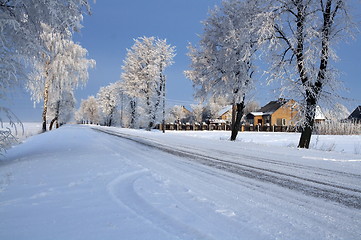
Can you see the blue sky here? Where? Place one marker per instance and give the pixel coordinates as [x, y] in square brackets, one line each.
[113, 27]
[114, 24]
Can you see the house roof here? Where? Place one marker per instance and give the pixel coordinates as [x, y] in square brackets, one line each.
[268, 109]
[356, 114]
[272, 106]
[185, 110]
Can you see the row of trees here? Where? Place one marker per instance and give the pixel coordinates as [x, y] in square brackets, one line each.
[102, 109]
[141, 91]
[204, 112]
[37, 52]
[294, 36]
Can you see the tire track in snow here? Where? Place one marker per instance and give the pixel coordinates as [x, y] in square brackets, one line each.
[122, 192]
[349, 197]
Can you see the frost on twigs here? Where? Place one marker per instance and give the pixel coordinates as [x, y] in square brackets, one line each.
[223, 64]
[8, 128]
[299, 38]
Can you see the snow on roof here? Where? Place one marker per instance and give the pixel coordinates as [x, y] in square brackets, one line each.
[224, 110]
[319, 114]
[257, 113]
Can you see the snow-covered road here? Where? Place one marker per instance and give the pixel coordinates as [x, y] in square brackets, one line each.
[77, 183]
[293, 176]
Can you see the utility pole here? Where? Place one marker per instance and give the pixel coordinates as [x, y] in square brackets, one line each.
[122, 109]
[163, 121]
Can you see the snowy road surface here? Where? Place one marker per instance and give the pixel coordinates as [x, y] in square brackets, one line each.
[107, 183]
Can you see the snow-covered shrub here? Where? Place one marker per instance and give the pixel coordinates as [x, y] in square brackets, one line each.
[337, 128]
[328, 147]
[7, 137]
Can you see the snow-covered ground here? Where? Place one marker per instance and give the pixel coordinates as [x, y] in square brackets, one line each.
[82, 182]
[337, 143]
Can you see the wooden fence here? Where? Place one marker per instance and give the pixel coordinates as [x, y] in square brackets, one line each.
[224, 127]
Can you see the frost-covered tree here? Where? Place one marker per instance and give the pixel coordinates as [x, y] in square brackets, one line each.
[88, 111]
[197, 112]
[92, 110]
[62, 69]
[212, 107]
[178, 113]
[338, 112]
[222, 65]
[20, 29]
[80, 115]
[299, 35]
[251, 106]
[61, 110]
[143, 75]
[108, 102]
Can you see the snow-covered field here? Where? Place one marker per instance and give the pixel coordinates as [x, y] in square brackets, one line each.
[24, 130]
[82, 182]
[337, 143]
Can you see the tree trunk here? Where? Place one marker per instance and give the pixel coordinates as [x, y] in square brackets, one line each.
[306, 133]
[52, 123]
[163, 118]
[133, 113]
[44, 119]
[46, 99]
[237, 123]
[122, 110]
[305, 138]
[314, 90]
[159, 91]
[111, 116]
[150, 114]
[56, 116]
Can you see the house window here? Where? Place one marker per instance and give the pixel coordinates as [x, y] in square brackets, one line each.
[267, 119]
[281, 122]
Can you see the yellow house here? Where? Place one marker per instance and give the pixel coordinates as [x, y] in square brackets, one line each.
[276, 113]
[225, 114]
